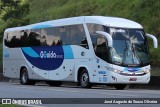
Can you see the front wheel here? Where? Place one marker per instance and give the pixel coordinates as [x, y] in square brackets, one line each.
[84, 79]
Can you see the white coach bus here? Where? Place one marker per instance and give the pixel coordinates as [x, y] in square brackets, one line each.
[87, 50]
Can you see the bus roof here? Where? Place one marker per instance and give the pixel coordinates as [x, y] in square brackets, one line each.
[113, 22]
[103, 20]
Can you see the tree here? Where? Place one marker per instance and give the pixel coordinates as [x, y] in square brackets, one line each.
[13, 12]
[8, 4]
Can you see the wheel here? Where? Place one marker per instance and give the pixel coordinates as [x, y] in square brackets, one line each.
[84, 79]
[24, 78]
[120, 86]
[54, 83]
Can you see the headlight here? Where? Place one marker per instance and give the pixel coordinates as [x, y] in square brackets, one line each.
[115, 70]
[147, 71]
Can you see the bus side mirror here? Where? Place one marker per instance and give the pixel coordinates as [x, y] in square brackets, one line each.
[155, 42]
[108, 36]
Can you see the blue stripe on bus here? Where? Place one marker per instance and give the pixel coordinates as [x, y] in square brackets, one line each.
[68, 53]
[41, 26]
[29, 51]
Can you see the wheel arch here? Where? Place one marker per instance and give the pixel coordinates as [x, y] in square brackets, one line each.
[79, 72]
[22, 67]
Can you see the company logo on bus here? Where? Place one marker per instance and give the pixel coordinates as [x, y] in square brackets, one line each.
[50, 54]
[131, 69]
[45, 58]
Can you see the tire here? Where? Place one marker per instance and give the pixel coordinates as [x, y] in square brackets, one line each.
[54, 83]
[120, 86]
[84, 79]
[24, 78]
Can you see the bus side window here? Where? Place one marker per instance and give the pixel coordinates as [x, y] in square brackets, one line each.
[50, 36]
[13, 39]
[34, 39]
[78, 36]
[84, 43]
[101, 47]
[45, 37]
[64, 37]
[23, 38]
[94, 40]
[57, 36]
[6, 41]
[92, 31]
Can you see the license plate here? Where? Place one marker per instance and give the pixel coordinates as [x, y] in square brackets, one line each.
[133, 79]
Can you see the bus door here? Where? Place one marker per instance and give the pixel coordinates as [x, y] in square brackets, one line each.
[100, 61]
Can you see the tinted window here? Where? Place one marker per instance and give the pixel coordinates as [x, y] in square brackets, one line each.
[34, 38]
[101, 47]
[92, 30]
[24, 38]
[12, 39]
[99, 41]
[66, 35]
[76, 34]
[50, 36]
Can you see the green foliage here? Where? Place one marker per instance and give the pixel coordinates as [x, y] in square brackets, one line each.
[12, 22]
[17, 13]
[8, 4]
[13, 12]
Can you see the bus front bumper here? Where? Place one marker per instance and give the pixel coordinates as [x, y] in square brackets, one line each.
[121, 79]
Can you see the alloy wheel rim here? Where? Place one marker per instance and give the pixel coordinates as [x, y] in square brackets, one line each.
[84, 79]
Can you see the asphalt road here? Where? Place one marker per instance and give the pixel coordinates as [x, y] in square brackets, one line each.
[15, 90]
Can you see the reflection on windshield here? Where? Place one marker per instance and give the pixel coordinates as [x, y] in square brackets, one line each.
[129, 47]
[115, 57]
[130, 56]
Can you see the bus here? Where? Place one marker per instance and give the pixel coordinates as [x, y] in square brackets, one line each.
[86, 49]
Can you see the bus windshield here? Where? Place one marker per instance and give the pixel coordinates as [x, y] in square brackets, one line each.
[129, 47]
